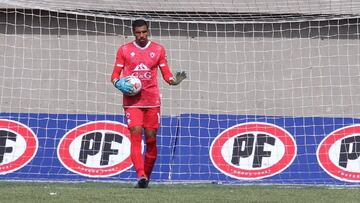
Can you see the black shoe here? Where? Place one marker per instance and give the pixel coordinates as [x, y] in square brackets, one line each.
[143, 182]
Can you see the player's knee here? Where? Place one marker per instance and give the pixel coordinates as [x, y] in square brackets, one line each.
[136, 130]
[150, 133]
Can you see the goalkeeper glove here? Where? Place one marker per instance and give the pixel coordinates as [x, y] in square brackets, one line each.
[179, 76]
[123, 85]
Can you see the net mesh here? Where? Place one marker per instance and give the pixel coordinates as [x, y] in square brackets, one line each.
[263, 58]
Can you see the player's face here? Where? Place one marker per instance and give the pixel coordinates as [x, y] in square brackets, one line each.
[141, 35]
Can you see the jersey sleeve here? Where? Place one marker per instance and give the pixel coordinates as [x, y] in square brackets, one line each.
[164, 67]
[118, 66]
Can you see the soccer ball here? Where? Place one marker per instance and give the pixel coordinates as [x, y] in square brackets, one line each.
[136, 82]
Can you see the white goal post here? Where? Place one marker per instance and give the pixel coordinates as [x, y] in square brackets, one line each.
[272, 97]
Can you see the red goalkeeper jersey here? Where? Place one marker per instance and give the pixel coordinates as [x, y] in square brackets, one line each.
[142, 62]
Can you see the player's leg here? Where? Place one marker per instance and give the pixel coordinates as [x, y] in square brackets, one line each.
[135, 150]
[151, 124]
[134, 118]
[151, 151]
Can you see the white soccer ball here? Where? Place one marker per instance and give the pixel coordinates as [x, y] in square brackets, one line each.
[136, 82]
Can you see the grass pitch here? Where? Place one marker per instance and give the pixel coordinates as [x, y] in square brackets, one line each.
[168, 193]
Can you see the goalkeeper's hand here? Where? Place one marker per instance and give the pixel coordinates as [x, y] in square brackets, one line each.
[123, 85]
[179, 76]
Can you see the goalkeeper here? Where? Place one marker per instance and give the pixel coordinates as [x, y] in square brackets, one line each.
[142, 58]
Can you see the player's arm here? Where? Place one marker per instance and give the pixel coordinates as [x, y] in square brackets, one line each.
[120, 83]
[166, 73]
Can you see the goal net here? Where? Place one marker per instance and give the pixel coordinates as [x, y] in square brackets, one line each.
[272, 94]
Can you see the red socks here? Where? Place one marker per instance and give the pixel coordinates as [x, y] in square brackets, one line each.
[150, 155]
[143, 167]
[135, 153]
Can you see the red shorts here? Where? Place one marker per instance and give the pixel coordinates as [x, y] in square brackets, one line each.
[145, 117]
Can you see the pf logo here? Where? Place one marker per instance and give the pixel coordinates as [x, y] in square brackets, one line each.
[96, 149]
[253, 150]
[339, 154]
[18, 145]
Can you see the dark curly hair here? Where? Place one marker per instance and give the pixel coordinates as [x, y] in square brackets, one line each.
[139, 23]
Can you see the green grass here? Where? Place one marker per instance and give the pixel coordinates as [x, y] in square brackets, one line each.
[187, 193]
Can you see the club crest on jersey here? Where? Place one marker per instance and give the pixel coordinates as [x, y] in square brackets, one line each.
[132, 54]
[152, 54]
